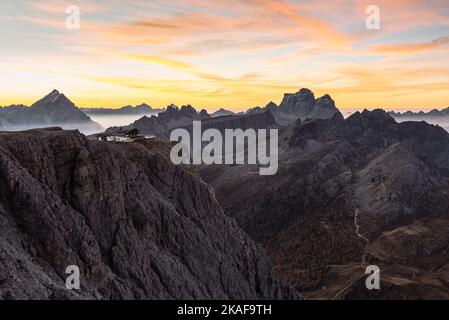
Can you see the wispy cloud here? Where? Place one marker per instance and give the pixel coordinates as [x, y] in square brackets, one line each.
[412, 47]
[230, 52]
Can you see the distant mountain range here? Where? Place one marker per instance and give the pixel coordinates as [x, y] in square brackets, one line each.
[366, 190]
[300, 105]
[436, 117]
[142, 109]
[55, 109]
[421, 115]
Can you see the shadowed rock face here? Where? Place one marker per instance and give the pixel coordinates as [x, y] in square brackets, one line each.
[349, 193]
[137, 226]
[300, 103]
[303, 105]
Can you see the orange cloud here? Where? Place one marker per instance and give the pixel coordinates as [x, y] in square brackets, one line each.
[410, 48]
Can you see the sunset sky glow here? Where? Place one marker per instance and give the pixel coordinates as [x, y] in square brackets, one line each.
[226, 53]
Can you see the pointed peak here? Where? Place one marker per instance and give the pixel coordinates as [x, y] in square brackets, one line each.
[271, 104]
[54, 92]
[51, 97]
[54, 98]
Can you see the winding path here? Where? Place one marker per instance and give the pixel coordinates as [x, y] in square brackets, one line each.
[365, 250]
[361, 236]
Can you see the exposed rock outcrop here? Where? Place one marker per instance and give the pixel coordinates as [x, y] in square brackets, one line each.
[137, 226]
[300, 103]
[303, 105]
[343, 189]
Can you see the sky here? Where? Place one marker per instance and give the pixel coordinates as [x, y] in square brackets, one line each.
[226, 53]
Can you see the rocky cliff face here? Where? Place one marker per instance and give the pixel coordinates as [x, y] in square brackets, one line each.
[55, 109]
[300, 105]
[137, 226]
[349, 193]
[303, 105]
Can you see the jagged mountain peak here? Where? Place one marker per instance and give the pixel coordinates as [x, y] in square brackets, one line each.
[54, 92]
[376, 116]
[326, 99]
[304, 91]
[188, 108]
[271, 105]
[54, 98]
[303, 104]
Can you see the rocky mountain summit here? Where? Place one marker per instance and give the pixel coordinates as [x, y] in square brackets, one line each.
[349, 193]
[55, 109]
[136, 226]
[303, 105]
[300, 105]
